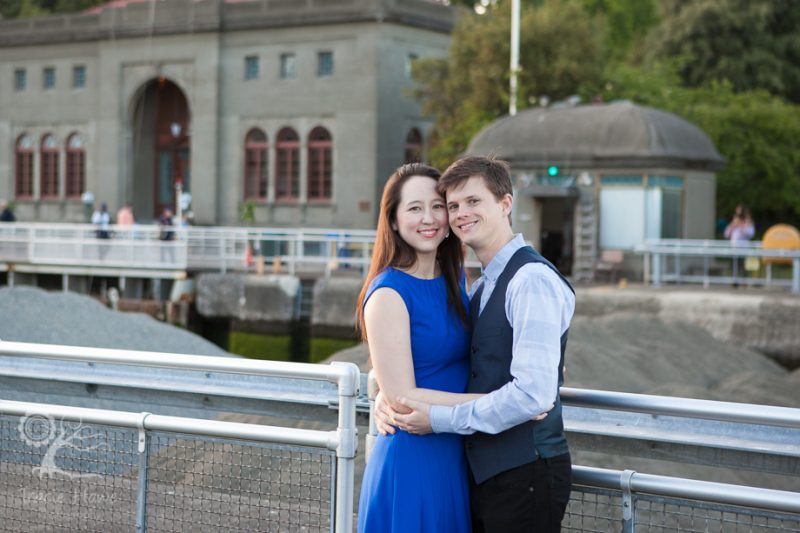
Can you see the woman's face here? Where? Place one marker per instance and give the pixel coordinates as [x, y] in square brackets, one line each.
[421, 218]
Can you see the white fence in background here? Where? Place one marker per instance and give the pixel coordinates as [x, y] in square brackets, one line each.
[717, 262]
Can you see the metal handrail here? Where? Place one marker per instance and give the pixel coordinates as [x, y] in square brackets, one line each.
[691, 408]
[345, 375]
[724, 493]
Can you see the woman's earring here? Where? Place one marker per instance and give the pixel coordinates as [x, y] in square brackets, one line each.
[446, 235]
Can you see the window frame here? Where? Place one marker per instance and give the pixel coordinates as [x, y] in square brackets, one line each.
[320, 64]
[75, 171]
[253, 73]
[20, 79]
[261, 149]
[286, 73]
[287, 152]
[23, 166]
[320, 177]
[48, 167]
[48, 78]
[79, 76]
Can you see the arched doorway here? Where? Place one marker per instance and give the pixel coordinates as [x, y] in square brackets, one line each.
[161, 127]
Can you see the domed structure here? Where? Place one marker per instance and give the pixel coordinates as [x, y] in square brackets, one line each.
[619, 135]
[604, 178]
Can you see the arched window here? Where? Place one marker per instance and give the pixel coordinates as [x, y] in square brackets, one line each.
[255, 165]
[320, 164]
[287, 165]
[413, 153]
[48, 175]
[23, 169]
[76, 166]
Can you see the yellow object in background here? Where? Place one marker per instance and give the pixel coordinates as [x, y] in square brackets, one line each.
[780, 237]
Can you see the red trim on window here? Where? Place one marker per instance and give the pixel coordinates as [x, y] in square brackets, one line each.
[287, 166]
[255, 166]
[320, 165]
[76, 170]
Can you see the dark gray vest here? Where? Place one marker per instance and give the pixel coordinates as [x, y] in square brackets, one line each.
[492, 340]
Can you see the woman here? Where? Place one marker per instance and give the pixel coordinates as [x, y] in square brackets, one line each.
[412, 312]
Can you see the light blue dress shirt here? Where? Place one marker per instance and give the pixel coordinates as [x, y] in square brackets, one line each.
[539, 307]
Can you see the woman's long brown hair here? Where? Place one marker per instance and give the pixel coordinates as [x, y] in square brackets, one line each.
[391, 250]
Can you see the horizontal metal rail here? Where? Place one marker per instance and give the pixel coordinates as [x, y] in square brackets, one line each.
[708, 256]
[192, 426]
[684, 407]
[773, 500]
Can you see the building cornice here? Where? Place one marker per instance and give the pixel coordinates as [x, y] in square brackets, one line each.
[181, 17]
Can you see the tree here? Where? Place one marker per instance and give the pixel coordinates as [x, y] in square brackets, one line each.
[561, 50]
[627, 22]
[755, 44]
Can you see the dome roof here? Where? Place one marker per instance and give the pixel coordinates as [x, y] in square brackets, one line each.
[616, 135]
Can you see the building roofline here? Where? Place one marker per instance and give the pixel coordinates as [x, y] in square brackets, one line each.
[134, 20]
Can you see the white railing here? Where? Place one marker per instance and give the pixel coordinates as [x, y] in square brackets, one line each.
[343, 440]
[145, 250]
[687, 493]
[716, 262]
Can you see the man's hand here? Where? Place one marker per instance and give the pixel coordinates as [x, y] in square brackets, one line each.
[383, 416]
[543, 415]
[418, 421]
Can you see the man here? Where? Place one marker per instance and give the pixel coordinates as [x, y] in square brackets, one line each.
[521, 307]
[6, 214]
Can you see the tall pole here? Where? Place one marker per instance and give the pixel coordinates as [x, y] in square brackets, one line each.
[512, 100]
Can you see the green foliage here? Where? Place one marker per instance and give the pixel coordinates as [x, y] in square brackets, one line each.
[323, 347]
[254, 346]
[757, 133]
[627, 21]
[754, 44]
[247, 212]
[561, 50]
[37, 8]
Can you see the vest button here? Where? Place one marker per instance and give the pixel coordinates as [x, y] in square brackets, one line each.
[474, 349]
[474, 374]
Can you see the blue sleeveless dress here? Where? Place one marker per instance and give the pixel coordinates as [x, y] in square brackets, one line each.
[418, 483]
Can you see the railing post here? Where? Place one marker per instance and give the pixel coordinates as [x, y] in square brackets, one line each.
[628, 511]
[348, 443]
[796, 275]
[656, 269]
[141, 495]
[372, 393]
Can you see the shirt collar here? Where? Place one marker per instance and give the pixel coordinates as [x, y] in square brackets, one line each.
[501, 258]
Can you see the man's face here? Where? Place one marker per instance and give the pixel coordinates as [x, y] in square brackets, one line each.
[476, 216]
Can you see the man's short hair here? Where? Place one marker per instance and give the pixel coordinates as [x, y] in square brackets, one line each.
[495, 174]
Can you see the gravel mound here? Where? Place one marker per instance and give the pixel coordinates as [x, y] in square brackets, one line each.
[30, 314]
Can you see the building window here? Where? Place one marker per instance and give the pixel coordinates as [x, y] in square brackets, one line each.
[287, 165]
[324, 64]
[410, 58]
[251, 67]
[48, 176]
[76, 166]
[23, 169]
[288, 67]
[20, 79]
[255, 165]
[320, 164]
[49, 77]
[413, 150]
[78, 77]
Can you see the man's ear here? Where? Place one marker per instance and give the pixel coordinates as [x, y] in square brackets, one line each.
[507, 202]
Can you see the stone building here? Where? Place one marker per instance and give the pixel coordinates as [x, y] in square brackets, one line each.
[297, 110]
[605, 177]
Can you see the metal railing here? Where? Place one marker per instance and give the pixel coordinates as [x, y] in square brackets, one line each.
[602, 500]
[342, 441]
[143, 250]
[716, 262]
